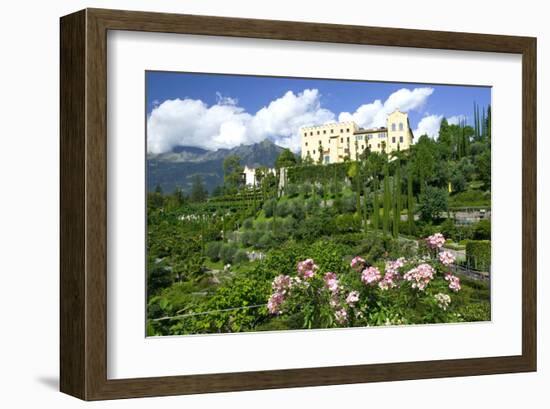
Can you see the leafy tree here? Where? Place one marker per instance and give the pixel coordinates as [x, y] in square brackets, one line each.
[432, 202]
[232, 171]
[198, 191]
[445, 140]
[286, 159]
[484, 168]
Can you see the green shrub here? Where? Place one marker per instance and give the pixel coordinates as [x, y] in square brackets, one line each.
[240, 257]
[227, 252]
[478, 254]
[212, 250]
[482, 230]
[348, 223]
[269, 207]
[248, 223]
[297, 209]
[283, 209]
[265, 241]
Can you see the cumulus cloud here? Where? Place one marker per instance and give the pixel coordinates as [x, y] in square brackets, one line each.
[456, 119]
[428, 125]
[374, 114]
[189, 122]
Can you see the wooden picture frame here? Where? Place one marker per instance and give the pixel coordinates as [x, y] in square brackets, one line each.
[83, 256]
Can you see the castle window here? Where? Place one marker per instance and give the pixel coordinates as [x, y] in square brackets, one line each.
[307, 153]
[393, 139]
[305, 134]
[401, 139]
[318, 133]
[341, 140]
[347, 130]
[327, 159]
[332, 131]
[378, 145]
[347, 139]
[393, 127]
[362, 146]
[341, 131]
[400, 126]
[306, 143]
[324, 131]
[311, 133]
[314, 151]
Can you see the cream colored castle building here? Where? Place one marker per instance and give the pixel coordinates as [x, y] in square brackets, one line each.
[334, 142]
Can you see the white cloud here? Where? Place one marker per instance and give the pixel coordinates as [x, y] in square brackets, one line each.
[428, 125]
[374, 114]
[456, 119]
[191, 122]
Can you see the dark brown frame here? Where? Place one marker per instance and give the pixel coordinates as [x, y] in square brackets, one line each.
[83, 75]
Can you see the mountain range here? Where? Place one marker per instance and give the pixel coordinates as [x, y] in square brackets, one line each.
[177, 168]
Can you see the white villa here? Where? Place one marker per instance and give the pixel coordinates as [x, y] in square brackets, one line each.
[334, 142]
[249, 175]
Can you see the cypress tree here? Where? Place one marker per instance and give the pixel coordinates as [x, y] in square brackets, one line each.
[397, 199]
[375, 205]
[410, 201]
[365, 210]
[489, 123]
[387, 201]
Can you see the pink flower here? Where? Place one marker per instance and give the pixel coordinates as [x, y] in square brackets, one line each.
[358, 263]
[435, 241]
[331, 282]
[443, 300]
[274, 303]
[370, 275]
[389, 281]
[420, 276]
[393, 266]
[307, 268]
[352, 298]
[341, 316]
[281, 283]
[447, 258]
[454, 282]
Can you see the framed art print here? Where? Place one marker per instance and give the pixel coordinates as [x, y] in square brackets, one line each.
[252, 204]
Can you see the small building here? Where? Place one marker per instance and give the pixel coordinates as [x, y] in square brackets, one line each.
[249, 176]
[334, 142]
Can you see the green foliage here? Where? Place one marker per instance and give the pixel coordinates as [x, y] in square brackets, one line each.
[478, 254]
[227, 252]
[232, 171]
[269, 207]
[482, 230]
[285, 159]
[212, 250]
[432, 202]
[198, 191]
[346, 223]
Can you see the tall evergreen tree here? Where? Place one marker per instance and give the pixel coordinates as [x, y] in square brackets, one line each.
[387, 201]
[397, 199]
[410, 201]
[375, 205]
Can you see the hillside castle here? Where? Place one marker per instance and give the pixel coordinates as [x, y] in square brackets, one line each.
[334, 142]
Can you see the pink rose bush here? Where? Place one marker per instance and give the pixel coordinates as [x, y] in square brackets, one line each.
[420, 276]
[446, 258]
[380, 294]
[370, 275]
[435, 241]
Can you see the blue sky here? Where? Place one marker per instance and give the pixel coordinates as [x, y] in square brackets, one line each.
[213, 110]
